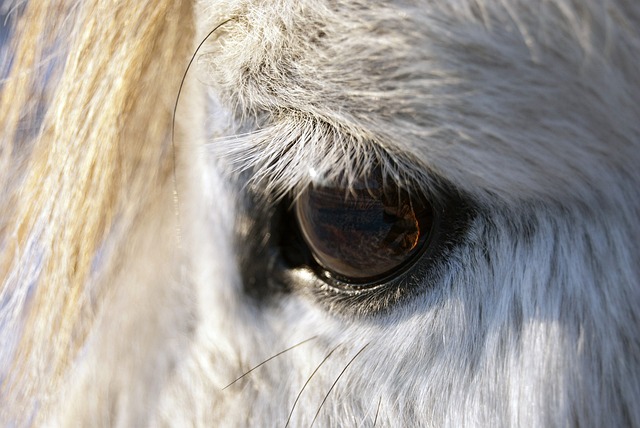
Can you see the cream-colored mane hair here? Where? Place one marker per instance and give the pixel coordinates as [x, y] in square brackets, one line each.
[150, 150]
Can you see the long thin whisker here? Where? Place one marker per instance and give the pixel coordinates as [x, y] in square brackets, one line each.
[375, 420]
[176, 200]
[269, 359]
[184, 77]
[306, 383]
[335, 382]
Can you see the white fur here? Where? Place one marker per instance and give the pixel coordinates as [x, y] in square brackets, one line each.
[530, 109]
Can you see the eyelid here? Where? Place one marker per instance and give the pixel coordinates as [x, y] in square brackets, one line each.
[284, 157]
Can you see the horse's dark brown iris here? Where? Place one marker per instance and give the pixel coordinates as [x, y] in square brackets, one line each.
[365, 233]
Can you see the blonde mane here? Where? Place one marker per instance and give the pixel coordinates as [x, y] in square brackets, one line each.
[114, 66]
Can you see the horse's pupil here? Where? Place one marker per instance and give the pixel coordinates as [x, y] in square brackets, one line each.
[365, 233]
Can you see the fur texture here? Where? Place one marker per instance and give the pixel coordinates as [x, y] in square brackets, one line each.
[142, 254]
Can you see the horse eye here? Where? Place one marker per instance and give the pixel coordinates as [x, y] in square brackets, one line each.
[364, 234]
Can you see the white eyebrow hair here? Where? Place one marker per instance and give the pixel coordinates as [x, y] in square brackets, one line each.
[296, 150]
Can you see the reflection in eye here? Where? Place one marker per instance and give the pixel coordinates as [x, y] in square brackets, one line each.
[365, 233]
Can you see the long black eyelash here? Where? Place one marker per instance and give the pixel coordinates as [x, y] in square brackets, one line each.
[335, 382]
[269, 359]
[306, 383]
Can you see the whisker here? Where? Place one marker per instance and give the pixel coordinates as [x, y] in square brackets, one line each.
[306, 383]
[335, 382]
[184, 77]
[176, 197]
[375, 420]
[269, 359]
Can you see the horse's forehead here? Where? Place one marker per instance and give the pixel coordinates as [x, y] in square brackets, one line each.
[464, 89]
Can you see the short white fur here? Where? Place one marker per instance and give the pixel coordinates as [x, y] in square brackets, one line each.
[529, 109]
